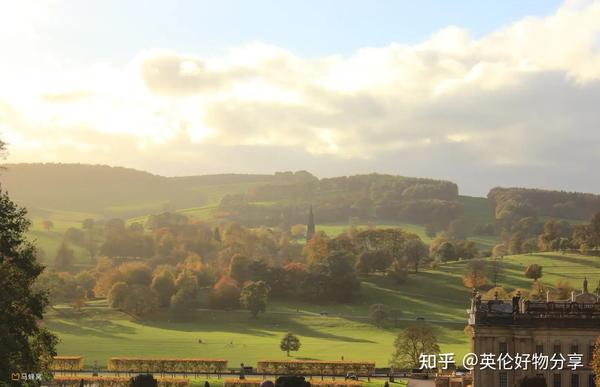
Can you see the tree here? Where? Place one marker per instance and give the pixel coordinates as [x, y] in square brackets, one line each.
[533, 271]
[186, 286]
[75, 236]
[136, 273]
[371, 261]
[140, 300]
[411, 343]
[474, 276]
[24, 343]
[87, 282]
[446, 252]
[338, 272]
[595, 361]
[317, 248]
[117, 295]
[550, 238]
[290, 342]
[91, 241]
[466, 249]
[499, 251]
[79, 297]
[163, 284]
[378, 314]
[48, 225]
[398, 272]
[238, 268]
[64, 258]
[415, 252]
[254, 297]
[224, 294]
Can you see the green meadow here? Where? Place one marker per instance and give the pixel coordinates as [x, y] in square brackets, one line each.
[327, 331]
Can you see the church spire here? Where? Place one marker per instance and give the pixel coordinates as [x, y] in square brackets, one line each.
[585, 285]
[310, 227]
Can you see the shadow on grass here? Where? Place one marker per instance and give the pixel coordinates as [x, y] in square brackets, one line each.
[269, 325]
[96, 328]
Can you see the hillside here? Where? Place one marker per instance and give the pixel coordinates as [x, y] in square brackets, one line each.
[111, 191]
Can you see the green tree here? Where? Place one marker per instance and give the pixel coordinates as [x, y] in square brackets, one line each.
[446, 252]
[136, 273]
[290, 342]
[534, 271]
[87, 282]
[24, 343]
[64, 258]
[415, 252]
[254, 297]
[163, 284]
[239, 268]
[411, 343]
[140, 300]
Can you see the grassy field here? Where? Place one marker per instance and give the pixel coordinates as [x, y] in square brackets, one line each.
[48, 241]
[99, 332]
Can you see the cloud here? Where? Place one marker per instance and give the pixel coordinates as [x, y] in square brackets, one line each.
[515, 106]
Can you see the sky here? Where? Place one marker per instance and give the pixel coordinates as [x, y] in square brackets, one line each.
[481, 93]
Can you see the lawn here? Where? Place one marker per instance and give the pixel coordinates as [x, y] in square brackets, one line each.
[437, 295]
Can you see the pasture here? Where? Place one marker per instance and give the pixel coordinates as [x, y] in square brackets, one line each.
[438, 296]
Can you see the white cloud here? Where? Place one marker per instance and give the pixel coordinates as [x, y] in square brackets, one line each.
[516, 97]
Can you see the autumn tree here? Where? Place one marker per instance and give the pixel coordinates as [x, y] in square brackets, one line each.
[411, 343]
[595, 361]
[290, 342]
[224, 294]
[474, 276]
[25, 344]
[117, 295]
[254, 297]
[317, 248]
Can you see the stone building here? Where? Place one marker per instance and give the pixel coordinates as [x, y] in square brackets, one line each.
[548, 327]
